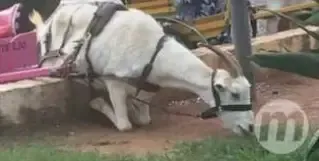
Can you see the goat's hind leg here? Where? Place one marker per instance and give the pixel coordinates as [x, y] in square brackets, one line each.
[117, 94]
[124, 108]
[100, 105]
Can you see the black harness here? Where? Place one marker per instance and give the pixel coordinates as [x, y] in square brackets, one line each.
[101, 17]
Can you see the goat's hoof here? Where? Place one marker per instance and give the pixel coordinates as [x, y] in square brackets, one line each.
[124, 126]
[144, 121]
[140, 120]
[97, 104]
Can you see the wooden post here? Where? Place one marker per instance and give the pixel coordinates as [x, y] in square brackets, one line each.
[240, 28]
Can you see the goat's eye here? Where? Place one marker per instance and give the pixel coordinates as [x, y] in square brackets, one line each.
[220, 87]
[235, 96]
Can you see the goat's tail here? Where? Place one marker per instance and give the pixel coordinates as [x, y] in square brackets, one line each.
[36, 19]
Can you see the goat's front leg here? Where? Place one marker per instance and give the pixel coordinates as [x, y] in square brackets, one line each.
[118, 96]
[100, 105]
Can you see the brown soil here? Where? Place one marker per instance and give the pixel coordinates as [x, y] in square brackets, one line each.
[166, 129]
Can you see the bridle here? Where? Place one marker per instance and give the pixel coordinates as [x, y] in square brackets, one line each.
[213, 111]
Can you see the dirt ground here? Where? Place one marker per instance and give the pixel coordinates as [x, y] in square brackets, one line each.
[166, 129]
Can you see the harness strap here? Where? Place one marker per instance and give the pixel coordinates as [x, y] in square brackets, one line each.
[236, 108]
[100, 19]
[212, 112]
[148, 67]
[215, 93]
[102, 16]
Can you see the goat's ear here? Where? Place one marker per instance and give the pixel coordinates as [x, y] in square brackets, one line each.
[222, 81]
[220, 86]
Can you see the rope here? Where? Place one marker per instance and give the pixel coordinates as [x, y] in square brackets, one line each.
[163, 108]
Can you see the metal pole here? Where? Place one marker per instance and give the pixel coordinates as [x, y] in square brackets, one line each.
[240, 30]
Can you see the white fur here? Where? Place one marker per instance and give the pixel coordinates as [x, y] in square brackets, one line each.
[123, 48]
[68, 2]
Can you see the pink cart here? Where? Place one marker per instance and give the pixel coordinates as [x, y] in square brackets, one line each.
[18, 53]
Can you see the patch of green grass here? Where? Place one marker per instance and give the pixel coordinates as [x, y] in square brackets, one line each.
[212, 149]
[43, 153]
[314, 156]
[231, 148]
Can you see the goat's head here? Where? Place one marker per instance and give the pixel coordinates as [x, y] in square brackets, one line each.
[227, 92]
[231, 92]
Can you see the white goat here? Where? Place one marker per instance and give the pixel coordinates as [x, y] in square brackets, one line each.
[126, 45]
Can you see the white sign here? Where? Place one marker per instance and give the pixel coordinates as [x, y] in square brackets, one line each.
[274, 4]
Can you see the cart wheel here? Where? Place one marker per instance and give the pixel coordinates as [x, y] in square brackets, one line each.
[168, 23]
[179, 37]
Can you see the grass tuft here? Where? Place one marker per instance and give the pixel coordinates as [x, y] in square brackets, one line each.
[212, 149]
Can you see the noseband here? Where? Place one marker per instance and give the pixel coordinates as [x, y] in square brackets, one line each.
[213, 111]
